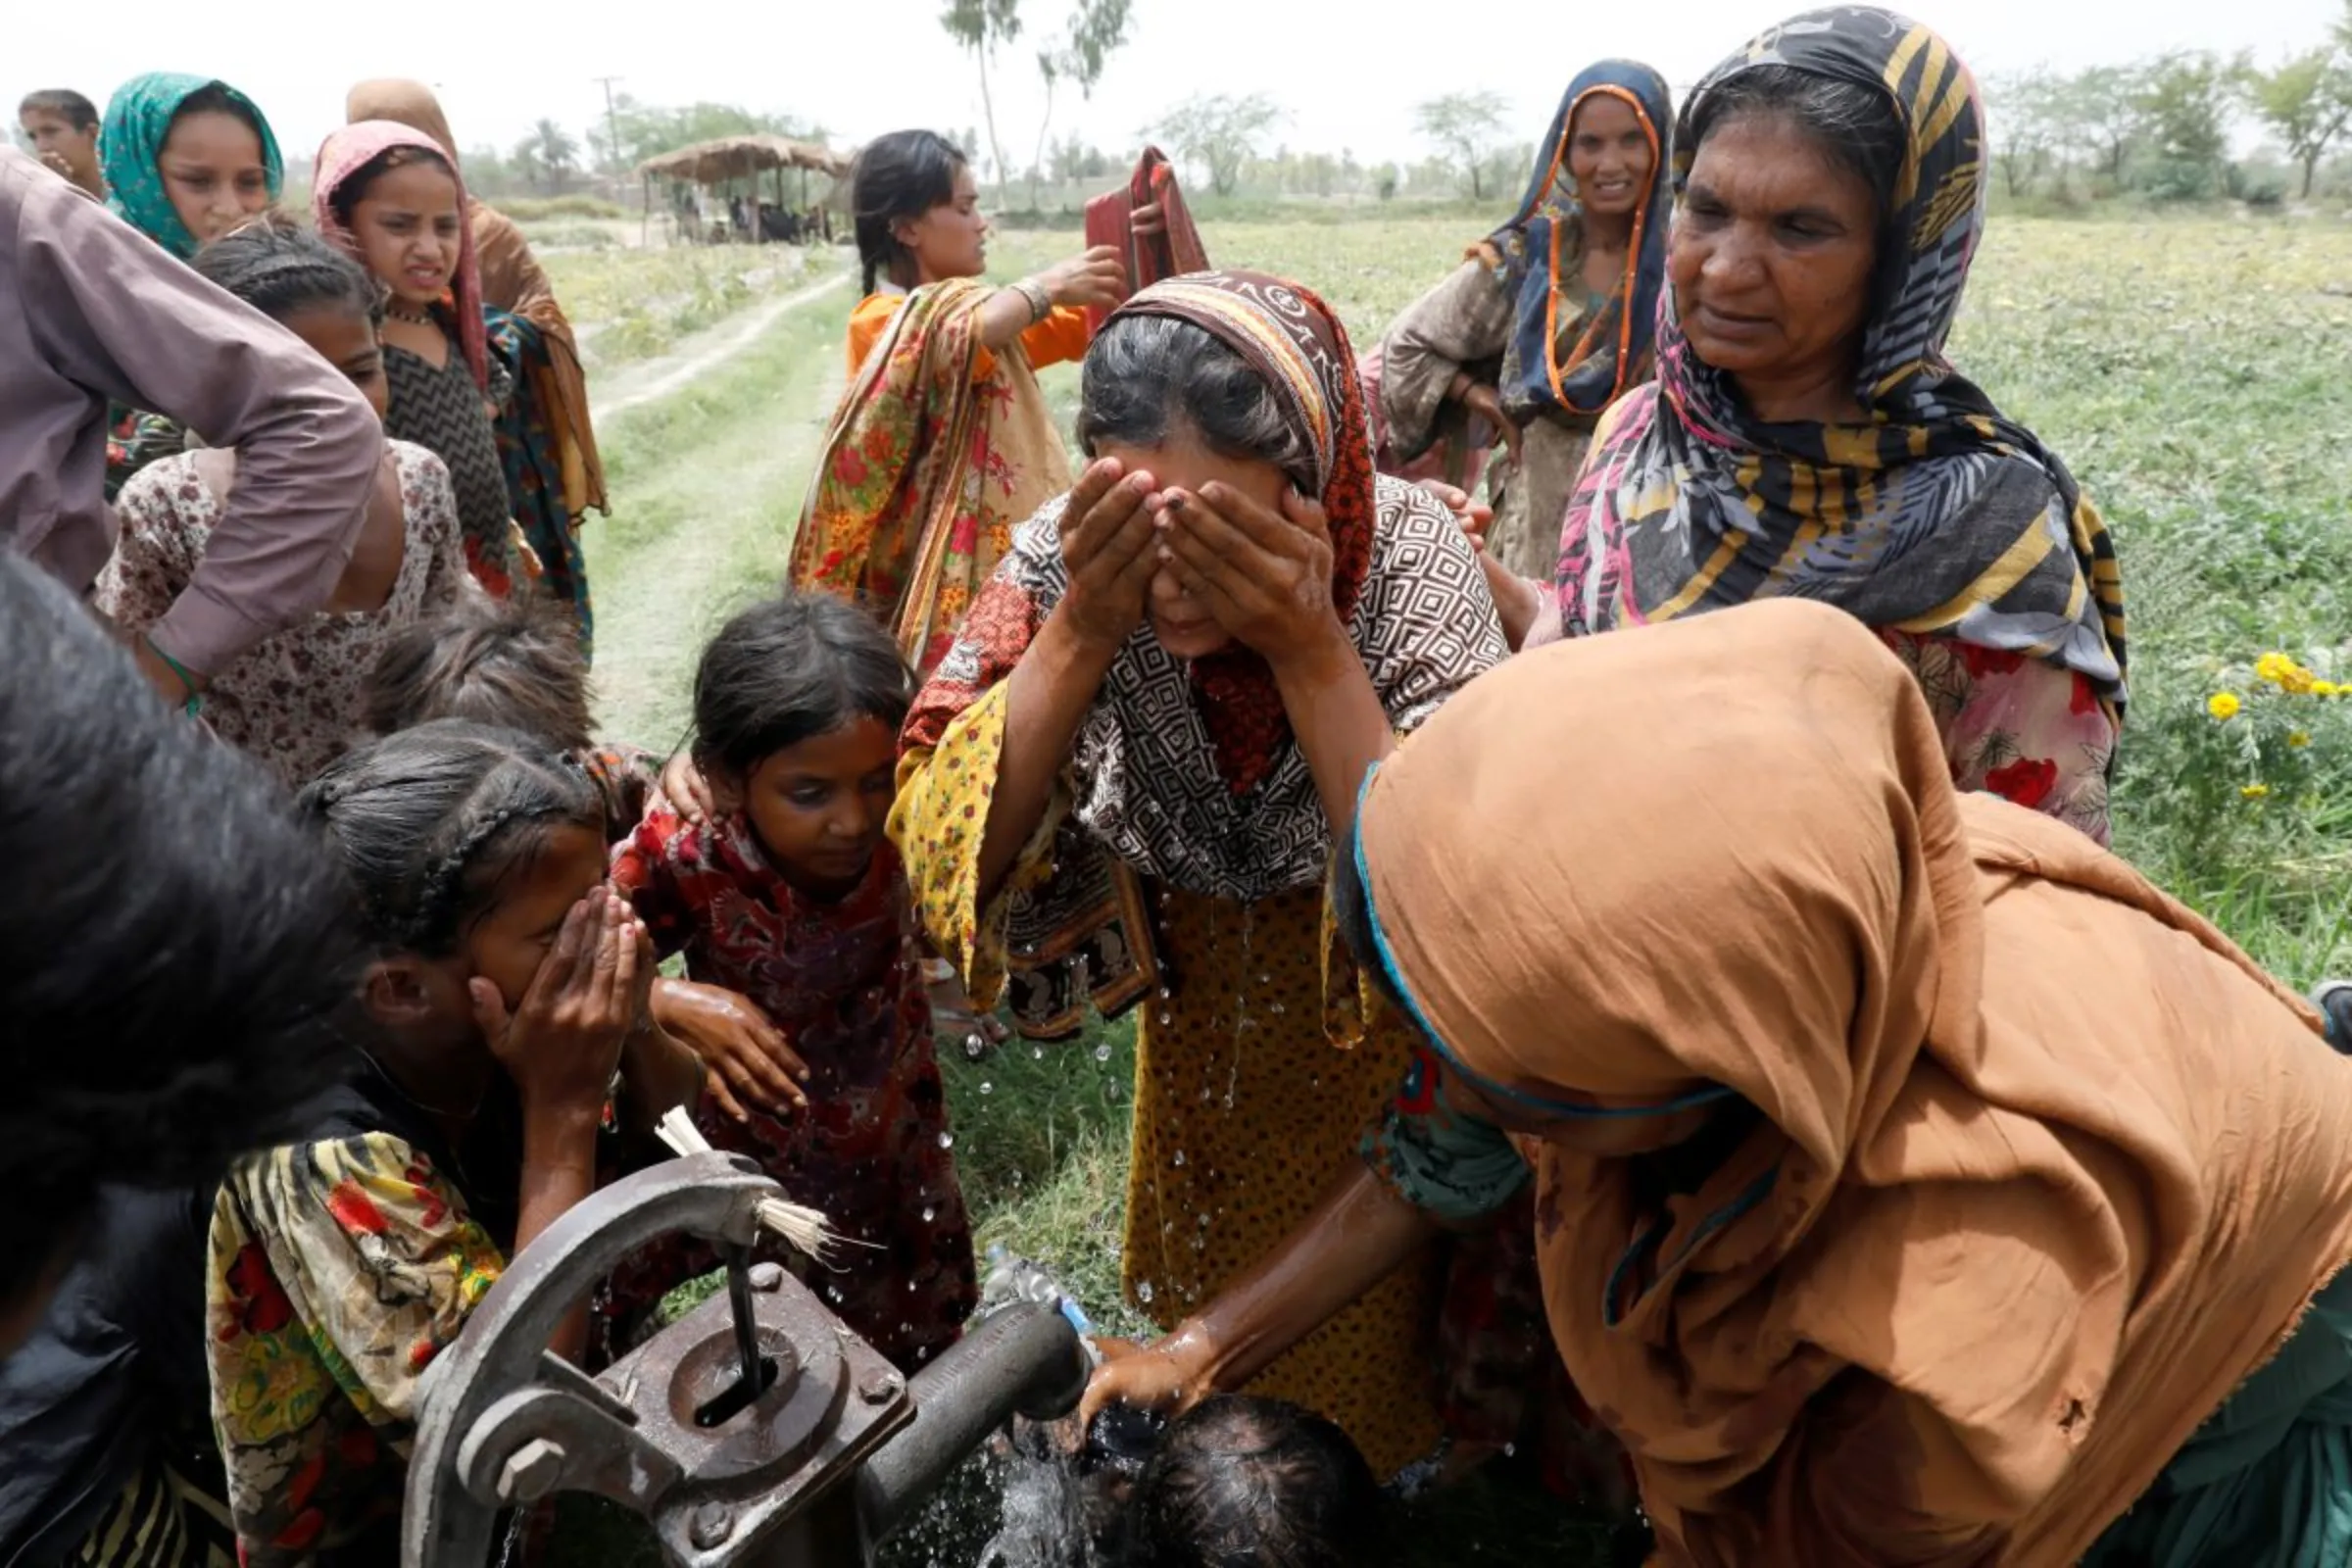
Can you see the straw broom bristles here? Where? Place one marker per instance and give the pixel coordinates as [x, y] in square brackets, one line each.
[803, 1228]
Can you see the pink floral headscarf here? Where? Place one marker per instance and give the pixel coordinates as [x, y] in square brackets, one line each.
[348, 151]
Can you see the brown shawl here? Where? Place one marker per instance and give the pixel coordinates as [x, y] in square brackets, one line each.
[513, 281]
[2042, 1167]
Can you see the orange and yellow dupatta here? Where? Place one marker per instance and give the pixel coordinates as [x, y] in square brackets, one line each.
[926, 468]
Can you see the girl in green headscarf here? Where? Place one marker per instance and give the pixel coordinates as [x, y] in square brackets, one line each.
[187, 159]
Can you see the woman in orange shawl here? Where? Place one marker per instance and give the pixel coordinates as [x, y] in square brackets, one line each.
[944, 441]
[554, 474]
[1916, 1184]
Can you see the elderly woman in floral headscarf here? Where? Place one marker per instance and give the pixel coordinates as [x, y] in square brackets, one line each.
[1806, 436]
[1126, 775]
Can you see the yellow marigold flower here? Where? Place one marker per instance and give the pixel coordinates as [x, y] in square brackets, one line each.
[2298, 738]
[2222, 705]
[2255, 791]
[2272, 667]
[2325, 688]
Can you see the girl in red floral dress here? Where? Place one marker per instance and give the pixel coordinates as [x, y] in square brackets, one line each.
[792, 896]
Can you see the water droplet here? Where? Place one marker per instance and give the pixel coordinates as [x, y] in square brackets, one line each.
[975, 1045]
[1103, 1052]
[1510, 1449]
[929, 1213]
[1265, 979]
[1038, 1053]
[1165, 993]
[1143, 1293]
[946, 1140]
[1274, 1007]
[1110, 1089]
[1178, 1162]
[987, 1087]
[1165, 1017]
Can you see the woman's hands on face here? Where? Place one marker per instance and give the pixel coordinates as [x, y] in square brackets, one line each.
[562, 1045]
[1264, 575]
[1107, 533]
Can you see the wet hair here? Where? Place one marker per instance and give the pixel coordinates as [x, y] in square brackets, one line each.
[179, 951]
[65, 103]
[281, 268]
[1242, 1480]
[429, 825]
[794, 667]
[1147, 377]
[515, 663]
[903, 174]
[218, 98]
[1856, 127]
[354, 189]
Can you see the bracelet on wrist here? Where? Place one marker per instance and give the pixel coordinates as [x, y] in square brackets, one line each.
[192, 695]
[1040, 304]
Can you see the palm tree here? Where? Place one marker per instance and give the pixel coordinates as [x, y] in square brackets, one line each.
[554, 150]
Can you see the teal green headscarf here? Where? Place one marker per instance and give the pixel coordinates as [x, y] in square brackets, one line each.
[130, 146]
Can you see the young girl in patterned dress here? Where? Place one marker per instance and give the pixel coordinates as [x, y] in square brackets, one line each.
[391, 199]
[293, 700]
[508, 988]
[792, 895]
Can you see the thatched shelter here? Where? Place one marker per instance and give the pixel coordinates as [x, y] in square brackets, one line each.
[738, 162]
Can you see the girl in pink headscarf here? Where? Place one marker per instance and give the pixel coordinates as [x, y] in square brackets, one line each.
[391, 198]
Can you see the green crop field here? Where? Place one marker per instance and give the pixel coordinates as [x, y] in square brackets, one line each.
[2195, 375]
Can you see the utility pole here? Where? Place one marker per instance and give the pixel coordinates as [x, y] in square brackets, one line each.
[611, 119]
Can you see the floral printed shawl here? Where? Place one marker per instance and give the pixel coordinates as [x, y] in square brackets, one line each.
[1938, 516]
[925, 470]
[138, 120]
[1542, 246]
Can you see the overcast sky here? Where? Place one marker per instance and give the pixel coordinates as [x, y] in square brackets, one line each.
[1348, 71]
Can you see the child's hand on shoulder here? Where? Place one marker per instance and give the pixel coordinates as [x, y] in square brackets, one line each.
[750, 1063]
[562, 1045]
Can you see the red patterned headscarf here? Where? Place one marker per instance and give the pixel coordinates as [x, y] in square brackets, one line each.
[1296, 343]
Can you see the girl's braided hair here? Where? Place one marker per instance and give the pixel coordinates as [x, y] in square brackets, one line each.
[429, 824]
[279, 269]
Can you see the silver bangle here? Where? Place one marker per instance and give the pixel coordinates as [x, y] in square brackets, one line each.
[1040, 304]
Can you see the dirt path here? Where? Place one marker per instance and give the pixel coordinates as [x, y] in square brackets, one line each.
[636, 385]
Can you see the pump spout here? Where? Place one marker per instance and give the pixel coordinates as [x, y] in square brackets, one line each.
[1024, 1360]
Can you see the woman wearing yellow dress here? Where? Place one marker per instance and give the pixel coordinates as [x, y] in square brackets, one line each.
[1170, 687]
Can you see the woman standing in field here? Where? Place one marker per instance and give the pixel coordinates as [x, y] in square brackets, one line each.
[546, 437]
[186, 158]
[391, 199]
[1805, 435]
[944, 441]
[1546, 323]
[1177, 675]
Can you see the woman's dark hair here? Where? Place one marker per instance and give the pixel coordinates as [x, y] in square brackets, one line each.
[1240, 1480]
[429, 824]
[1856, 127]
[1148, 375]
[787, 669]
[354, 189]
[279, 269]
[217, 98]
[179, 951]
[515, 663]
[903, 174]
[65, 103]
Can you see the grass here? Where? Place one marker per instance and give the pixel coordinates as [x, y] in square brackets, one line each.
[2195, 375]
[633, 304]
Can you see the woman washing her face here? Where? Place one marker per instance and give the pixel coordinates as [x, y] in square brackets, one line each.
[1126, 775]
